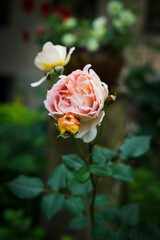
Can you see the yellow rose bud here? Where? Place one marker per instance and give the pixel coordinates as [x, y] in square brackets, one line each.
[68, 124]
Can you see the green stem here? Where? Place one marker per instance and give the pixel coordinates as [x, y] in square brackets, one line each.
[94, 187]
[93, 200]
[77, 146]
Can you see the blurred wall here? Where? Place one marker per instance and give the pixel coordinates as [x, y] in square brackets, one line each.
[17, 55]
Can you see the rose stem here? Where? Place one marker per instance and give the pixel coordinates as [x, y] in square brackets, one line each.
[93, 199]
[78, 147]
[94, 187]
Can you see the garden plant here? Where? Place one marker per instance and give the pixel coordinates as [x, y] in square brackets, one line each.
[79, 103]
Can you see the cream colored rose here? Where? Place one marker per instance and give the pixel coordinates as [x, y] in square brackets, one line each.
[51, 57]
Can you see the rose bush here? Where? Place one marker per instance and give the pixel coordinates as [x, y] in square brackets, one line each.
[81, 94]
[51, 57]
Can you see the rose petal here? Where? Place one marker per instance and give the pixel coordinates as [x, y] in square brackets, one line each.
[62, 51]
[86, 68]
[36, 84]
[69, 55]
[90, 135]
[86, 126]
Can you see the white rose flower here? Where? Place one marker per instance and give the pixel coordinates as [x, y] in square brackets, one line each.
[51, 57]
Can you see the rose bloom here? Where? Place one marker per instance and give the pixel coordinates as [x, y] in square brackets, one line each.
[50, 57]
[81, 94]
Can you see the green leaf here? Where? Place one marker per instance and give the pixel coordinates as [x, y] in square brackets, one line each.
[134, 146]
[150, 229]
[82, 174]
[123, 172]
[110, 214]
[119, 234]
[70, 179]
[101, 154]
[57, 180]
[98, 217]
[129, 214]
[78, 222]
[137, 235]
[99, 231]
[52, 204]
[73, 161]
[81, 189]
[101, 200]
[100, 170]
[75, 205]
[26, 187]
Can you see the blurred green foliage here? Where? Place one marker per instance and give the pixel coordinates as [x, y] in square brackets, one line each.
[91, 34]
[65, 237]
[22, 136]
[17, 226]
[22, 150]
[146, 191]
[144, 87]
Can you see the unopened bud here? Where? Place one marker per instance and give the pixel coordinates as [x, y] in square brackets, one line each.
[111, 99]
[68, 124]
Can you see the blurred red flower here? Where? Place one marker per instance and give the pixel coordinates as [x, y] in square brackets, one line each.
[25, 35]
[64, 12]
[27, 5]
[40, 29]
[45, 8]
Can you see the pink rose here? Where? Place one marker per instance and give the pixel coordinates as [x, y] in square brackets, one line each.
[82, 94]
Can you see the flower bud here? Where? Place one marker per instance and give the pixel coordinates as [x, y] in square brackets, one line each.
[111, 99]
[68, 124]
